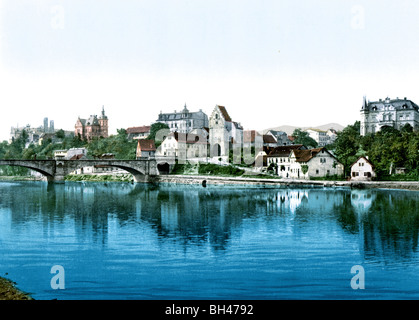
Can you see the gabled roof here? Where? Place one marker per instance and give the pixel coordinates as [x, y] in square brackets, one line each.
[307, 155]
[267, 138]
[146, 145]
[366, 159]
[77, 157]
[224, 112]
[143, 129]
[284, 151]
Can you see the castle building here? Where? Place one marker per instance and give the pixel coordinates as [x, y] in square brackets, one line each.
[223, 132]
[393, 113]
[184, 121]
[92, 127]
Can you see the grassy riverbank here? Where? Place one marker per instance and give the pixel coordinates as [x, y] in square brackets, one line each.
[19, 178]
[8, 291]
[100, 177]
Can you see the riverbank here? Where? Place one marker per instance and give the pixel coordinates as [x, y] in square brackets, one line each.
[8, 291]
[20, 178]
[219, 180]
[206, 180]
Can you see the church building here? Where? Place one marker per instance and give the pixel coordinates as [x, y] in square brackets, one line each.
[223, 132]
[92, 127]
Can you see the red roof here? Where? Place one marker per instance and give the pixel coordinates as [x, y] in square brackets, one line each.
[146, 145]
[77, 156]
[284, 151]
[267, 138]
[224, 113]
[307, 155]
[143, 129]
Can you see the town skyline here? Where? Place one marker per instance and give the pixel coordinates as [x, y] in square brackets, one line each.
[270, 64]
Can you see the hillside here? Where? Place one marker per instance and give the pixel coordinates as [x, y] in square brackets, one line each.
[290, 129]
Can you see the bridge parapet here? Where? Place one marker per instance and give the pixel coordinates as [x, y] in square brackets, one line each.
[56, 170]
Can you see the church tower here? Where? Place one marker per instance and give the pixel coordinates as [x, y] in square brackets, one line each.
[364, 117]
[103, 123]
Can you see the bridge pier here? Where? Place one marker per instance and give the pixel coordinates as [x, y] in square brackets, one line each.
[56, 179]
[140, 178]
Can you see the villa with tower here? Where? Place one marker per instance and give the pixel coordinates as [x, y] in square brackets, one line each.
[92, 127]
[393, 113]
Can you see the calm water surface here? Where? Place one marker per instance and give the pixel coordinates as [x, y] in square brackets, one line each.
[123, 241]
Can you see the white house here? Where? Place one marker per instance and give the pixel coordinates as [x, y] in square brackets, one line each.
[306, 164]
[145, 148]
[362, 169]
[279, 158]
[320, 136]
[183, 146]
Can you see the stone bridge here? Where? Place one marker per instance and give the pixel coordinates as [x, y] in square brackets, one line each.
[143, 170]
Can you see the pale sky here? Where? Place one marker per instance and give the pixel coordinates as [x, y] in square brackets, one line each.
[269, 62]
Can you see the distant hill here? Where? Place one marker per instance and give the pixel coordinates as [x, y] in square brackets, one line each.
[290, 129]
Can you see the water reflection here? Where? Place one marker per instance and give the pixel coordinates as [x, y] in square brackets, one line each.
[386, 222]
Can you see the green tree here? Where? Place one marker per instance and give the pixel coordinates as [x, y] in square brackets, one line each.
[347, 145]
[60, 134]
[302, 137]
[158, 132]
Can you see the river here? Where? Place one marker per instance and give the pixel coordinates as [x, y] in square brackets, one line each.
[138, 241]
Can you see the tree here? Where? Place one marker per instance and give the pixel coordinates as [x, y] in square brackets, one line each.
[158, 132]
[347, 145]
[302, 137]
[60, 134]
[155, 128]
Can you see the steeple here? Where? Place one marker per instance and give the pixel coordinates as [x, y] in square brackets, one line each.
[364, 103]
[103, 116]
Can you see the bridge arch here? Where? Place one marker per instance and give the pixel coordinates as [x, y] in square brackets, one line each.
[138, 170]
[43, 167]
[56, 170]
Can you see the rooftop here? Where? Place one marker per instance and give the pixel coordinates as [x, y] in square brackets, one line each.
[143, 129]
[146, 145]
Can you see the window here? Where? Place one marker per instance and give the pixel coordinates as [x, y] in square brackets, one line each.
[317, 171]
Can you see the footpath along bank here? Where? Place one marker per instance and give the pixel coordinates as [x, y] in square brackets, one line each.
[216, 180]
